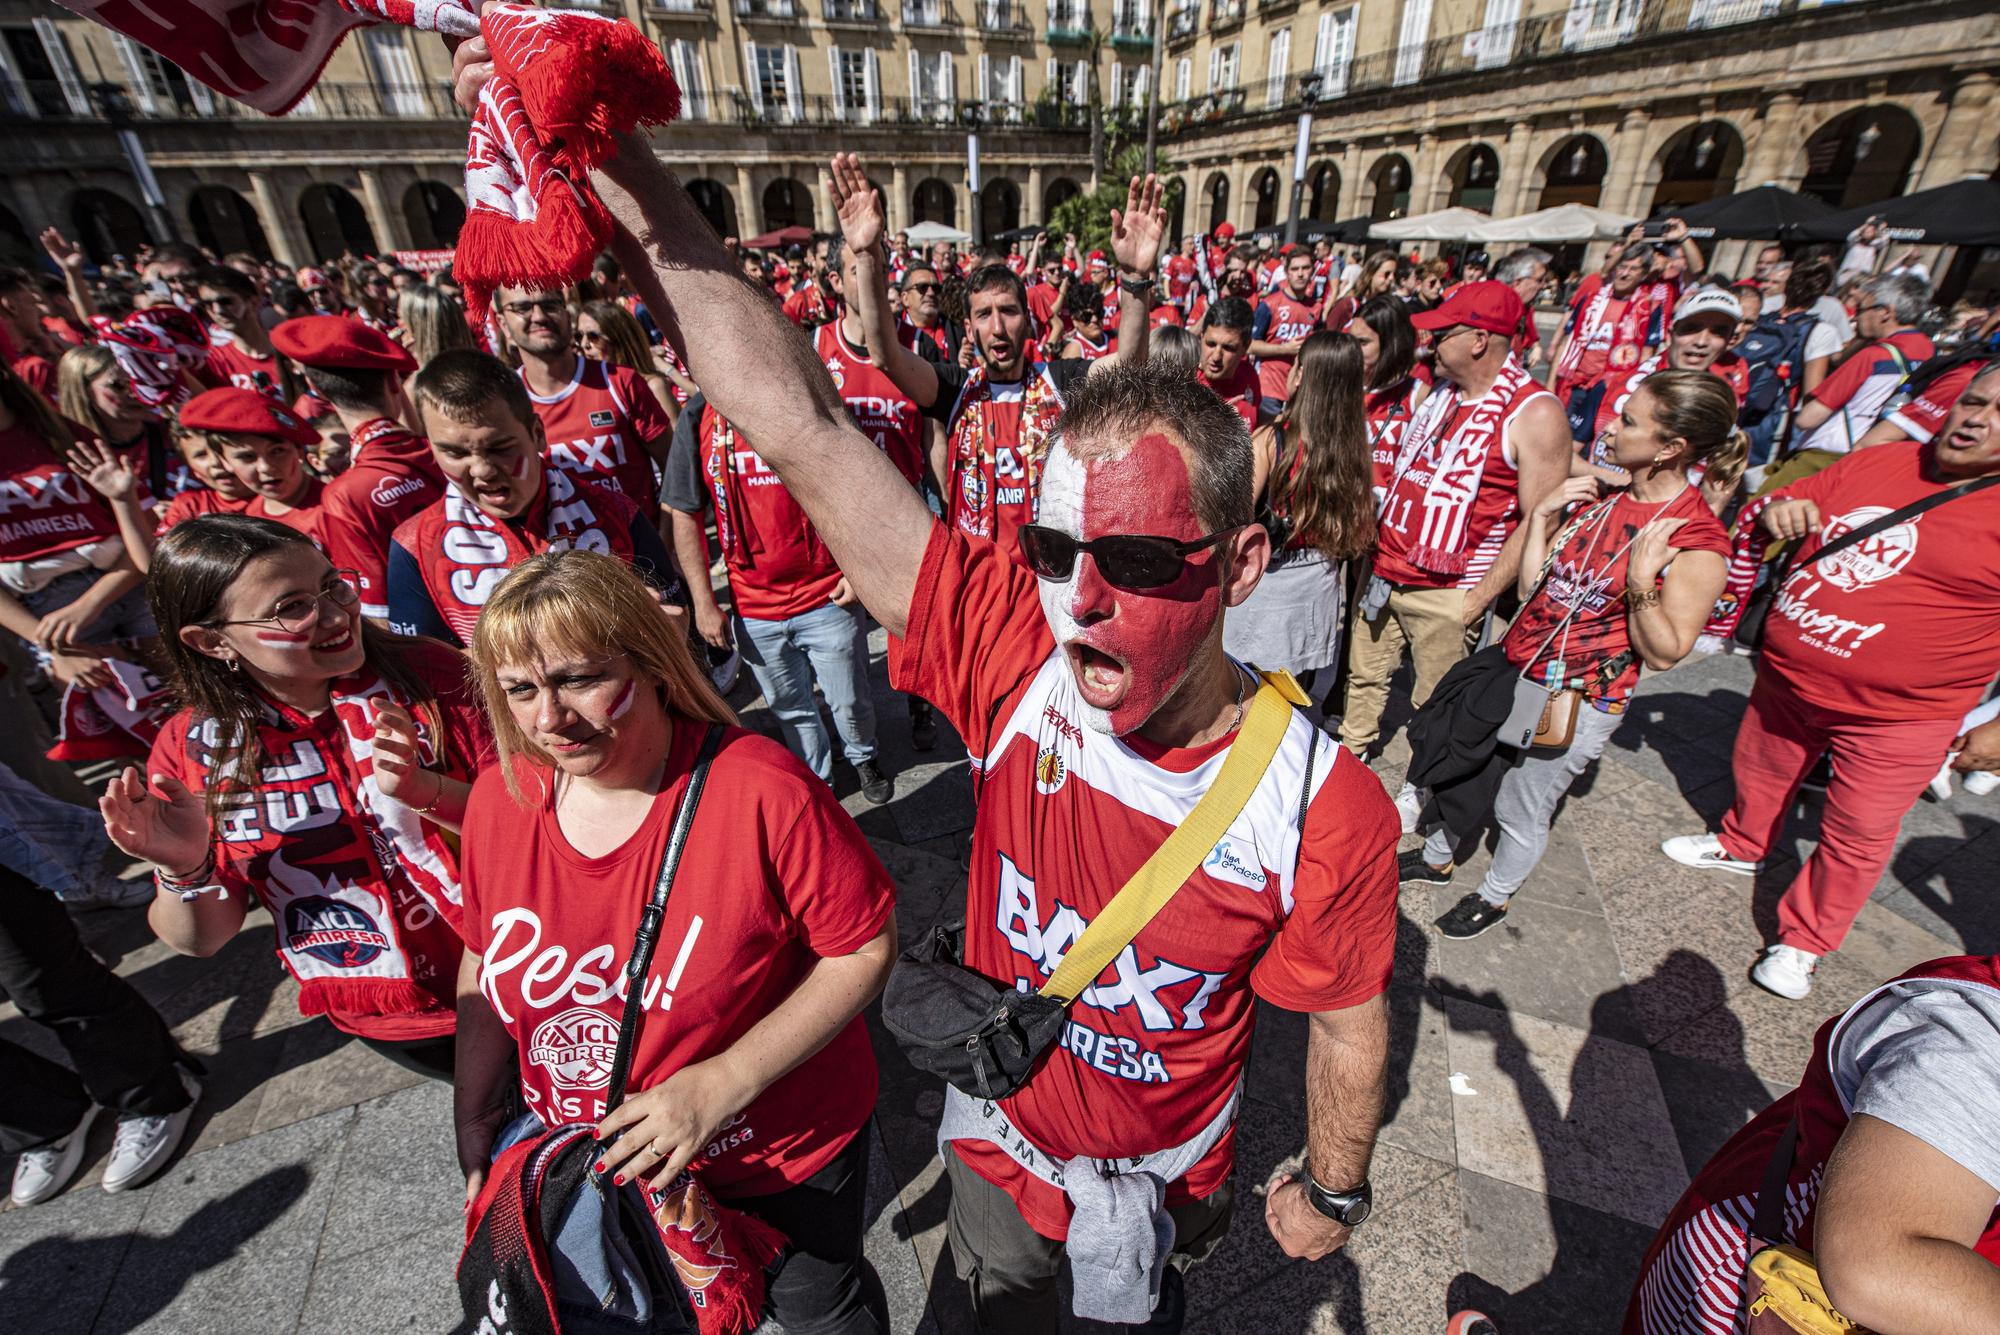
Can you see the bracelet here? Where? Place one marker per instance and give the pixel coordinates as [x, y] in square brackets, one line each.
[435, 798]
[1138, 287]
[1638, 598]
[203, 873]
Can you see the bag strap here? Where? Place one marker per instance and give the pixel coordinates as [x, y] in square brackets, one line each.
[648, 937]
[1769, 1222]
[1142, 897]
[1890, 520]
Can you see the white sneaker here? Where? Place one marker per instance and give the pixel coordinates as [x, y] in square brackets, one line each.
[1981, 782]
[1785, 971]
[45, 1170]
[144, 1144]
[1941, 786]
[1705, 851]
[1409, 805]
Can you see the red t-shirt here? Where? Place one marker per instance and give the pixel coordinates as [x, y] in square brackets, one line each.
[775, 876]
[778, 567]
[1922, 416]
[1153, 1050]
[39, 373]
[1043, 299]
[599, 426]
[1241, 391]
[1165, 317]
[1588, 574]
[805, 306]
[44, 508]
[305, 516]
[1905, 625]
[1389, 413]
[231, 363]
[199, 501]
[393, 477]
[1291, 320]
[885, 414]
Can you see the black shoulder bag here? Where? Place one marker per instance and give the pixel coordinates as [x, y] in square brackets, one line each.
[1750, 626]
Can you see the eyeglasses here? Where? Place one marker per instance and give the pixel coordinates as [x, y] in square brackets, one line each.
[589, 336]
[926, 289]
[218, 303]
[296, 614]
[1127, 560]
[547, 306]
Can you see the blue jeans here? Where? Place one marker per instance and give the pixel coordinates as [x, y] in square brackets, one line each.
[128, 619]
[58, 845]
[828, 643]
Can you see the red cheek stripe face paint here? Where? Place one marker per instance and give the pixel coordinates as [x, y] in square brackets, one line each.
[268, 635]
[623, 704]
[520, 468]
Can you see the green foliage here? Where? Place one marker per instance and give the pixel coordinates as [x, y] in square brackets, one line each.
[1088, 215]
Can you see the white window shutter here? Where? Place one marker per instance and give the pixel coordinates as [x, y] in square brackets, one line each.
[756, 77]
[918, 102]
[1142, 85]
[1017, 86]
[794, 86]
[1054, 76]
[203, 98]
[839, 83]
[1214, 67]
[57, 49]
[872, 73]
[948, 80]
[985, 78]
[135, 73]
[18, 99]
[1117, 85]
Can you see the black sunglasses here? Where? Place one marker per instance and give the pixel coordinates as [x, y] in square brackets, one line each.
[1127, 560]
[922, 287]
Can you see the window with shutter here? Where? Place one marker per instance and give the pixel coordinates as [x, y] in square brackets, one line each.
[1415, 34]
[1277, 65]
[837, 75]
[1183, 79]
[56, 46]
[1333, 52]
[794, 86]
[1496, 38]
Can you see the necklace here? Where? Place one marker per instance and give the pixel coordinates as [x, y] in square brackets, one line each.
[1242, 685]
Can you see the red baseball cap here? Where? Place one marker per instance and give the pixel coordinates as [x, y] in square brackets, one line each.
[1226, 232]
[1097, 260]
[341, 342]
[245, 412]
[1495, 307]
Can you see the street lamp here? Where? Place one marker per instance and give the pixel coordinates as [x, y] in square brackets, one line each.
[969, 113]
[1308, 95]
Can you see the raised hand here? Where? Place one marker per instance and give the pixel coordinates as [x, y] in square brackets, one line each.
[859, 207]
[109, 473]
[166, 826]
[61, 249]
[1138, 228]
[397, 761]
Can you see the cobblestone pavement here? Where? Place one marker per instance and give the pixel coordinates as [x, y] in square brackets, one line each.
[1553, 1083]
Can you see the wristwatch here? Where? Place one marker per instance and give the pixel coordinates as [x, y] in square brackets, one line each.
[1351, 1207]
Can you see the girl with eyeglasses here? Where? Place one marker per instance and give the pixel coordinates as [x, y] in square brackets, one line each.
[608, 332]
[317, 762]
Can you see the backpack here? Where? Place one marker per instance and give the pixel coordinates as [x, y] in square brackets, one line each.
[1774, 353]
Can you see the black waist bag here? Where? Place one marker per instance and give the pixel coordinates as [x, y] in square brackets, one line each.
[963, 1027]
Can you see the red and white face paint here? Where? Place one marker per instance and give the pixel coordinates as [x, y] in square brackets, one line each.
[328, 646]
[591, 715]
[1129, 649]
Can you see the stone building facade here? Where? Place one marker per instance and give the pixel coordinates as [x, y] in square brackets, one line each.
[1499, 105]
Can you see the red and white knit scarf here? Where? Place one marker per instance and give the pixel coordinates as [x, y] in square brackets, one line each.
[152, 347]
[1456, 472]
[1628, 331]
[973, 447]
[358, 884]
[565, 84]
[111, 722]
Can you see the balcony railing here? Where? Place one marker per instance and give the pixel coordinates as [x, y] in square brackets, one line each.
[851, 11]
[1182, 23]
[767, 9]
[682, 8]
[736, 107]
[1131, 31]
[1004, 18]
[928, 14]
[1225, 13]
[46, 100]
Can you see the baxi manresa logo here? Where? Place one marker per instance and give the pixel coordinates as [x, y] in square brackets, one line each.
[576, 1047]
[333, 932]
[1873, 559]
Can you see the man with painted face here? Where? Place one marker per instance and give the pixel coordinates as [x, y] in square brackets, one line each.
[1000, 414]
[1098, 705]
[602, 422]
[502, 503]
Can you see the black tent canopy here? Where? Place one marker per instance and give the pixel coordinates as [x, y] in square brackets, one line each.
[1964, 213]
[1765, 213]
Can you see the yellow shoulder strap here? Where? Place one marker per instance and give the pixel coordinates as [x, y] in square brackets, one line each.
[1150, 888]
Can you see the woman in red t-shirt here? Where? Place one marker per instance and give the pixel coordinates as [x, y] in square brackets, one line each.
[1629, 580]
[318, 763]
[68, 586]
[752, 1064]
[1395, 383]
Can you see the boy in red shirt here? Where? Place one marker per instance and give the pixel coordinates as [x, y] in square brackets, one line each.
[264, 444]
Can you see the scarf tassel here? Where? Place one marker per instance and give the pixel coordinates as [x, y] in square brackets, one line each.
[721, 1260]
[569, 228]
[591, 82]
[366, 996]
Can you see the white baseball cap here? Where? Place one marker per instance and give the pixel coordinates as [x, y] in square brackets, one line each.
[1707, 301]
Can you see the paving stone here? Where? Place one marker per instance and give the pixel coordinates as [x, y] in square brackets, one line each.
[398, 1172]
[319, 1069]
[1945, 885]
[1690, 936]
[1621, 831]
[407, 1285]
[1556, 963]
[1708, 1103]
[60, 1259]
[1536, 1263]
[1555, 1110]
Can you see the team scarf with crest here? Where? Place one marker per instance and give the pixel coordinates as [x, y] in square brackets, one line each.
[361, 887]
[974, 479]
[1628, 331]
[565, 84]
[1442, 542]
[110, 722]
[465, 552]
[153, 347]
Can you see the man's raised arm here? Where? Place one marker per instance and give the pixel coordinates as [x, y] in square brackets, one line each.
[862, 226]
[1135, 244]
[760, 374]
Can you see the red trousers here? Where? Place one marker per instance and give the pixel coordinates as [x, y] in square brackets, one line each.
[1880, 768]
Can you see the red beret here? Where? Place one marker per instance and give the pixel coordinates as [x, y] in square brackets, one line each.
[341, 342]
[247, 412]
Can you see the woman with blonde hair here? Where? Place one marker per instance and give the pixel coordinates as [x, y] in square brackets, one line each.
[779, 928]
[433, 322]
[1625, 583]
[94, 391]
[608, 332]
[1313, 491]
[1377, 278]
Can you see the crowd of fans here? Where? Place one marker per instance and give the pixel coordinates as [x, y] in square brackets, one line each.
[421, 634]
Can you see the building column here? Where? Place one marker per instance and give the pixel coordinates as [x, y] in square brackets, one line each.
[1350, 182]
[391, 231]
[1511, 198]
[1031, 208]
[899, 200]
[1962, 145]
[1628, 153]
[281, 225]
[749, 207]
[828, 215]
[1423, 174]
[1242, 204]
[1769, 158]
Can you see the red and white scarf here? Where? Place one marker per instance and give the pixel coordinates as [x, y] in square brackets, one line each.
[974, 478]
[111, 722]
[565, 84]
[465, 552]
[1455, 475]
[153, 347]
[358, 884]
[1628, 331]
